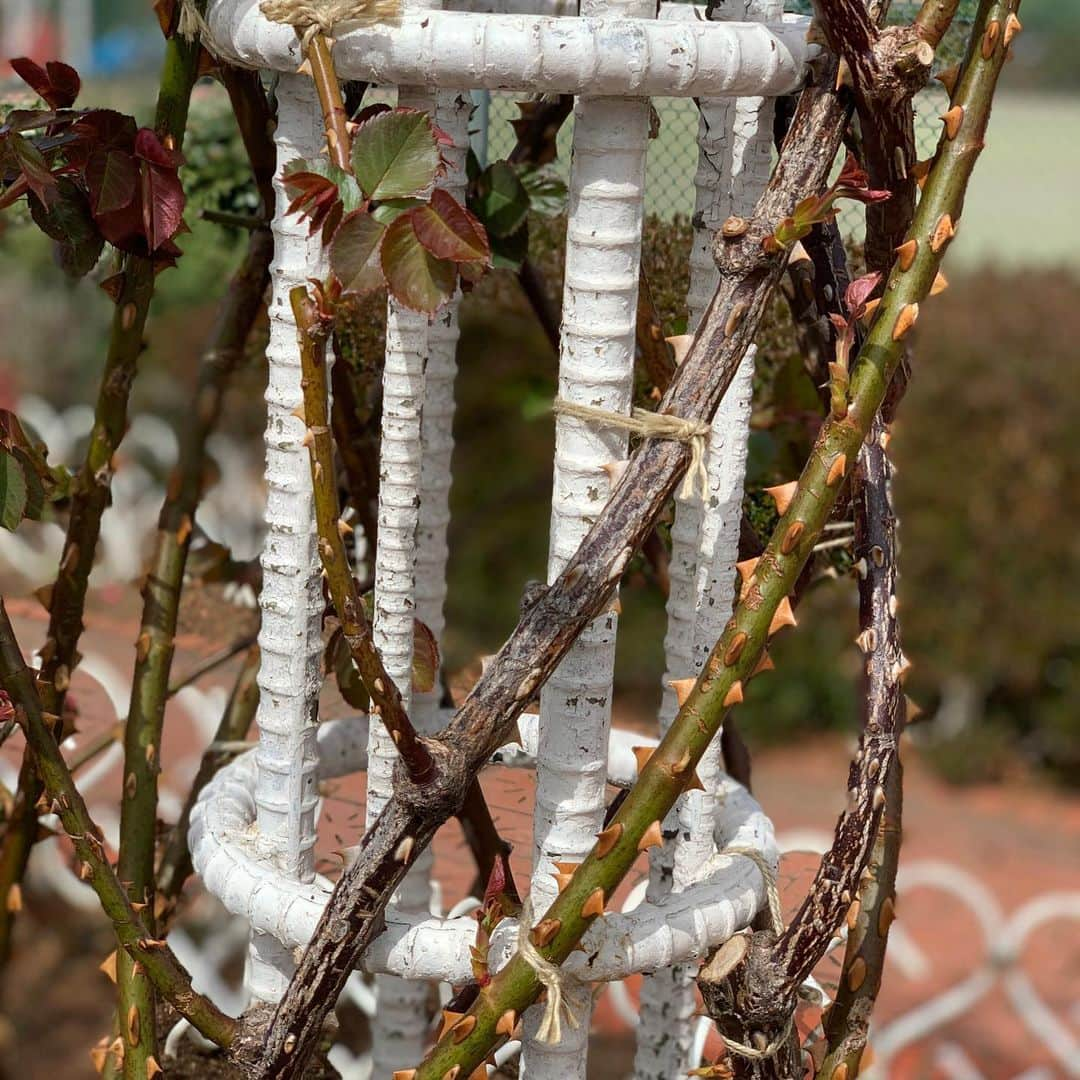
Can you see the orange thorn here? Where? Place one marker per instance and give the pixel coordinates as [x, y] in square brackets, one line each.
[746, 569]
[1013, 26]
[108, 966]
[944, 231]
[544, 931]
[463, 1029]
[764, 664]
[941, 283]
[990, 39]
[642, 755]
[734, 695]
[449, 1019]
[614, 471]
[784, 617]
[507, 1023]
[954, 118]
[783, 494]
[594, 905]
[837, 470]
[608, 838]
[905, 321]
[563, 873]
[682, 688]
[652, 837]
[680, 346]
[905, 254]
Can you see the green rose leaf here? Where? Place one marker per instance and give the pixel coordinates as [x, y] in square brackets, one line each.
[68, 221]
[13, 491]
[501, 201]
[395, 154]
[354, 253]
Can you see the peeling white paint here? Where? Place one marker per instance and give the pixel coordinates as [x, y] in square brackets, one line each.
[677, 56]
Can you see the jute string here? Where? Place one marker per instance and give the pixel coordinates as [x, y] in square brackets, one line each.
[559, 984]
[311, 17]
[651, 425]
[191, 24]
[776, 917]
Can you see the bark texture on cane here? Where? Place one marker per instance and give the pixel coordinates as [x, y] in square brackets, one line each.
[764, 599]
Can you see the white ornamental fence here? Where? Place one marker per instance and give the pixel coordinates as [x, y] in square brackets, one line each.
[253, 831]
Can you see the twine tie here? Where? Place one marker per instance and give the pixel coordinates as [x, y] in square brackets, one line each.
[652, 425]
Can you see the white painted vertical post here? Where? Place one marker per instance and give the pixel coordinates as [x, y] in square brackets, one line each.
[400, 1025]
[290, 637]
[596, 367]
[410, 567]
[734, 161]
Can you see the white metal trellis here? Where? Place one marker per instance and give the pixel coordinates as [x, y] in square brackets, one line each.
[253, 831]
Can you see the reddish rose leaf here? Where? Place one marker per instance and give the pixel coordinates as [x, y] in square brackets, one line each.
[150, 148]
[111, 177]
[56, 83]
[33, 166]
[449, 231]
[416, 278]
[854, 183]
[162, 204]
[858, 292]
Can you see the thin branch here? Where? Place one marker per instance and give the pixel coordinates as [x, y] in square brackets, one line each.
[211, 663]
[155, 957]
[385, 696]
[532, 285]
[91, 491]
[155, 644]
[335, 117]
[656, 356]
[355, 414]
[871, 915]
[486, 844]
[934, 19]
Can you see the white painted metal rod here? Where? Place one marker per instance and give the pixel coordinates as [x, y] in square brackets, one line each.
[343, 747]
[678, 57]
[724, 899]
[291, 601]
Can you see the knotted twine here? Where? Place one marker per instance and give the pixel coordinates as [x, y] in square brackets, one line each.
[307, 17]
[311, 17]
[652, 425]
[776, 917]
[556, 981]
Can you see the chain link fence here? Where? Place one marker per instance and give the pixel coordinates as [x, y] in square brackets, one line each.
[672, 157]
[673, 154]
